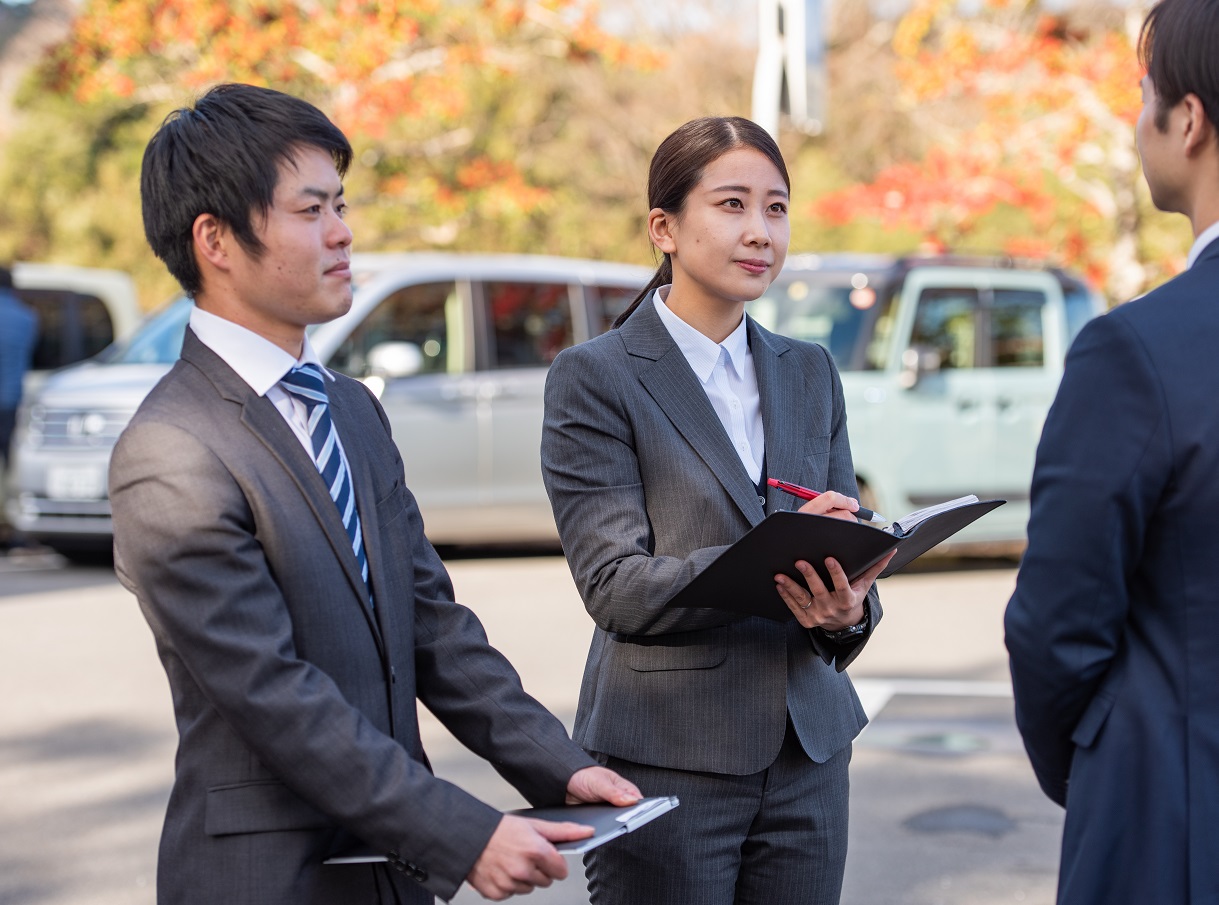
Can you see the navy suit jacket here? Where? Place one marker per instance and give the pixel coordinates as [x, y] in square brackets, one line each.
[1113, 628]
[647, 490]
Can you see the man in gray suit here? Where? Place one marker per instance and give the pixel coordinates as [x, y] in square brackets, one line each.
[262, 520]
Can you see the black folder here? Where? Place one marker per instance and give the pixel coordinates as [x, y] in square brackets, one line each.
[742, 578]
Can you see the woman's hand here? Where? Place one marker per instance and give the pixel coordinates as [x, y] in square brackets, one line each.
[833, 504]
[833, 608]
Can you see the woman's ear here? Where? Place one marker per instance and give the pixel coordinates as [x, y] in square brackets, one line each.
[661, 230]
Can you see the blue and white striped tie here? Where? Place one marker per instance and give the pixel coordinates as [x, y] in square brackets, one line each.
[305, 382]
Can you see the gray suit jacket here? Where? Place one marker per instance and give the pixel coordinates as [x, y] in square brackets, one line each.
[647, 490]
[295, 703]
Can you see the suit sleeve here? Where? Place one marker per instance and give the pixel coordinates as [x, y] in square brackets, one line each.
[593, 477]
[1102, 464]
[220, 619]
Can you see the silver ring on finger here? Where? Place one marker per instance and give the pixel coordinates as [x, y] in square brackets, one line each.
[807, 605]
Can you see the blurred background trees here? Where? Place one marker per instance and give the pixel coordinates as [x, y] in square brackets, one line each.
[527, 125]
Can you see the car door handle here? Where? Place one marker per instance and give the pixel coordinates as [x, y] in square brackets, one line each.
[1003, 404]
[967, 405]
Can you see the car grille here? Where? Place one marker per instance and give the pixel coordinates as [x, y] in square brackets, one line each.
[77, 428]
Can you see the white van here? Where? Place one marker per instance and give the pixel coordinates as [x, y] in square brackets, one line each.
[456, 347]
[949, 366]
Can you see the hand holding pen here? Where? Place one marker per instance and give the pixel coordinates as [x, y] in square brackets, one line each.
[804, 493]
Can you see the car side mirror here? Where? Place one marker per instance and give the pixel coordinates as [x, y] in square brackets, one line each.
[918, 362]
[393, 360]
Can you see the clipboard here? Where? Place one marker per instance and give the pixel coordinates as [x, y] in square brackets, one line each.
[741, 579]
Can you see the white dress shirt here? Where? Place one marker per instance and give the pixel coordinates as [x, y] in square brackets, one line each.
[261, 364]
[1205, 238]
[729, 380]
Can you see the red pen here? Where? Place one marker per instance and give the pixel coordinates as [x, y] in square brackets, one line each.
[864, 515]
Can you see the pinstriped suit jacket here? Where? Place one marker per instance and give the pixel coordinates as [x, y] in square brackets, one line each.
[647, 490]
[296, 704]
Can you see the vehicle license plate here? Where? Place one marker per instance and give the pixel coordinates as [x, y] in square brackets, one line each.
[76, 483]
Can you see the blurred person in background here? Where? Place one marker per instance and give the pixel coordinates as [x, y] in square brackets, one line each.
[657, 440]
[18, 335]
[1113, 628]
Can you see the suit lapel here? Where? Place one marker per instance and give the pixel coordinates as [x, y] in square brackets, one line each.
[781, 405]
[260, 417]
[790, 403]
[669, 380]
[352, 435]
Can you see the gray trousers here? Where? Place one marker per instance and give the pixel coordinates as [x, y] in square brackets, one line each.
[778, 837]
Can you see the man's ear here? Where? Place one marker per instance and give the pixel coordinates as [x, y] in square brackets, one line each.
[660, 230]
[211, 241]
[1199, 131]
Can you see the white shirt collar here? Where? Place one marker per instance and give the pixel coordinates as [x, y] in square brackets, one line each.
[1205, 238]
[256, 360]
[700, 350]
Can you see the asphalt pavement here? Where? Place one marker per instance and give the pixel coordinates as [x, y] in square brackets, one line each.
[945, 810]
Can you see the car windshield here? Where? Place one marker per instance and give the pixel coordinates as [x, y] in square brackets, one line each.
[157, 341]
[846, 311]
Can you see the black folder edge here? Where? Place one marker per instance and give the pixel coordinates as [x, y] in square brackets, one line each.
[608, 822]
[741, 579]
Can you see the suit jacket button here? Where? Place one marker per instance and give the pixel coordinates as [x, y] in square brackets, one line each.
[762, 500]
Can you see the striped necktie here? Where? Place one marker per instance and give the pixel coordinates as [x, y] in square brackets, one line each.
[305, 382]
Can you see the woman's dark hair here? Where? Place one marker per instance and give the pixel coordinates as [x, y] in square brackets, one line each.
[222, 157]
[678, 165]
[1179, 48]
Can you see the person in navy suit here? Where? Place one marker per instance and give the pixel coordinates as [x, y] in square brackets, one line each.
[1114, 624]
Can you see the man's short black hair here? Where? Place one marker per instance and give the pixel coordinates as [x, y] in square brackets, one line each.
[222, 157]
[1179, 47]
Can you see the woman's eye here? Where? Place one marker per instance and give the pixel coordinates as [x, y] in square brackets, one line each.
[733, 202]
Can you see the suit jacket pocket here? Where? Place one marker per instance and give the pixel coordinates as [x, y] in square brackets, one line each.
[817, 459]
[1089, 725]
[261, 806]
[703, 649]
[392, 505]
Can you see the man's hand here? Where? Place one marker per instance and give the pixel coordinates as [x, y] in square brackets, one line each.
[520, 856]
[594, 784]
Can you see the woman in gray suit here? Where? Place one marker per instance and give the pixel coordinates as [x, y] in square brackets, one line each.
[657, 443]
